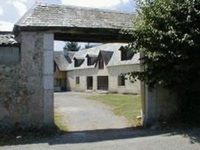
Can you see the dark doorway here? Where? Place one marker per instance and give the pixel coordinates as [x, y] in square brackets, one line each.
[102, 83]
[90, 83]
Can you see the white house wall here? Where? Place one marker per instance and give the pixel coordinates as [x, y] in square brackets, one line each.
[112, 72]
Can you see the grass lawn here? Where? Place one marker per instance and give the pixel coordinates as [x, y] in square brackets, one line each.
[128, 106]
[59, 123]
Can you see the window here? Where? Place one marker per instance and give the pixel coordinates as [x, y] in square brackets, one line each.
[90, 83]
[75, 63]
[89, 61]
[126, 54]
[102, 83]
[121, 80]
[77, 80]
[101, 63]
[123, 55]
[78, 62]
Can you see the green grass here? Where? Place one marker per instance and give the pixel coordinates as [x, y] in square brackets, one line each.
[128, 106]
[59, 123]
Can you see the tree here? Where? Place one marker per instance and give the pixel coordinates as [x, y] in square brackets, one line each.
[167, 32]
[72, 46]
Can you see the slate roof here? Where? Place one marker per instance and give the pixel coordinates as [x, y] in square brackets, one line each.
[110, 52]
[70, 54]
[61, 61]
[107, 55]
[71, 16]
[7, 39]
[70, 23]
[91, 55]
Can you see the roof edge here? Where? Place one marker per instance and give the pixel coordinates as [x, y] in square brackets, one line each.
[86, 8]
[6, 32]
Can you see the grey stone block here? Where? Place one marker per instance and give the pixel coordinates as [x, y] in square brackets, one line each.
[48, 106]
[48, 42]
[48, 63]
[48, 82]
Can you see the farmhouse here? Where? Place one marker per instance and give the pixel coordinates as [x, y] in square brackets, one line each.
[101, 68]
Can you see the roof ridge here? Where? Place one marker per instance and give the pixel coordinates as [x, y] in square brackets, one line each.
[85, 8]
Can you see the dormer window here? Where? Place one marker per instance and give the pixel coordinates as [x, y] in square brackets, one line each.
[88, 61]
[75, 63]
[78, 62]
[126, 54]
[123, 55]
[101, 63]
[91, 59]
[103, 58]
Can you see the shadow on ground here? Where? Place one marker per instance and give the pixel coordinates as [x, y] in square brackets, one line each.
[93, 136]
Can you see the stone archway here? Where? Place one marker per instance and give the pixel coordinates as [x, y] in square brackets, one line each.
[36, 32]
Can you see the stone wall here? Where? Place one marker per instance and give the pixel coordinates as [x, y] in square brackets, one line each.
[9, 55]
[13, 96]
[158, 105]
[26, 91]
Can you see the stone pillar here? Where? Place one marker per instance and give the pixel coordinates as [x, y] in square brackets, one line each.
[148, 98]
[149, 105]
[143, 102]
[95, 83]
[159, 105]
[30, 103]
[30, 78]
[48, 78]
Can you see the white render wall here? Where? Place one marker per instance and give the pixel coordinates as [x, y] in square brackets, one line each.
[112, 72]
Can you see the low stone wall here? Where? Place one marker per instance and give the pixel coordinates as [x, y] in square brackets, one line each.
[13, 96]
[158, 105]
[166, 104]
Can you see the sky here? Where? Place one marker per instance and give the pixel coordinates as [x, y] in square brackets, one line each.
[12, 10]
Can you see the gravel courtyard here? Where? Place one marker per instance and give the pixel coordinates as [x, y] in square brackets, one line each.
[93, 126]
[79, 113]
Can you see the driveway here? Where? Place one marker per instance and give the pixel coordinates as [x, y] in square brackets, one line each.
[113, 132]
[80, 114]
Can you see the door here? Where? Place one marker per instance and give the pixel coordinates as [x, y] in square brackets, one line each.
[102, 83]
[90, 83]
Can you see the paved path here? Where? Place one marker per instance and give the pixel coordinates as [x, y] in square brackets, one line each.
[105, 139]
[81, 114]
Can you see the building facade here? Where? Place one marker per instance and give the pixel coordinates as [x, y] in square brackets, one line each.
[102, 68]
